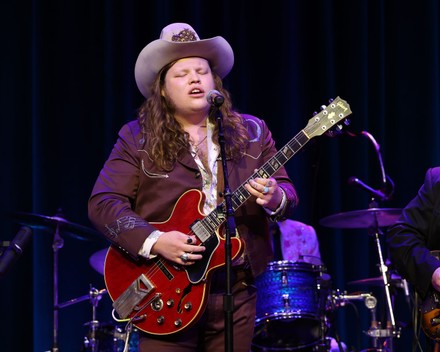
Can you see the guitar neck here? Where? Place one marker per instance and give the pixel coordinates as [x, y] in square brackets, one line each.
[328, 118]
[206, 227]
[270, 167]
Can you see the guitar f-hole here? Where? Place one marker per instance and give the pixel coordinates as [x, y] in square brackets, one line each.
[187, 306]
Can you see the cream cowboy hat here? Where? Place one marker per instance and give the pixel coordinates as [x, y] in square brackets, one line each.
[179, 40]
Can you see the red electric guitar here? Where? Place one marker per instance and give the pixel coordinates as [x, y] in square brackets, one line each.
[161, 297]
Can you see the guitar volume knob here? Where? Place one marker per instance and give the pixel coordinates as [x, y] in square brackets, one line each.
[178, 322]
[170, 303]
[188, 306]
[160, 320]
[157, 305]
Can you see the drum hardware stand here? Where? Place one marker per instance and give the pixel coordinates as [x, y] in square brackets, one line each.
[57, 244]
[324, 281]
[90, 340]
[339, 300]
[390, 332]
[55, 224]
[375, 332]
[324, 343]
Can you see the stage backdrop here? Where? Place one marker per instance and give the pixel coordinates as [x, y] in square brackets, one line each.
[67, 86]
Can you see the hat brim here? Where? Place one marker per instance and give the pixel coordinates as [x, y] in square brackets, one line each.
[161, 52]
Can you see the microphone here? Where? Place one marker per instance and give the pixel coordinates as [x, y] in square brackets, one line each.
[15, 249]
[387, 188]
[215, 98]
[376, 193]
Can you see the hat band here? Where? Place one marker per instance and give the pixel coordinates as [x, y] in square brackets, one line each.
[185, 35]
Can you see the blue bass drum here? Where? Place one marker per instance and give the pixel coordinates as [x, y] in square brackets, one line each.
[292, 300]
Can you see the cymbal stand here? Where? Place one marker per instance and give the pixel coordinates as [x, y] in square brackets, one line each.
[391, 326]
[57, 244]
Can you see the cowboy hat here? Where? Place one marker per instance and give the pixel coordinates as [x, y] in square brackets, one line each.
[179, 40]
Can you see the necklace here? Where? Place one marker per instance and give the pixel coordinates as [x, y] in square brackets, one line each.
[196, 146]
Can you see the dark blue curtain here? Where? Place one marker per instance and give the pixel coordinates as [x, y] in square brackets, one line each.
[67, 86]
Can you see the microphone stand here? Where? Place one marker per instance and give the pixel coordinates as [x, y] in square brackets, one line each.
[230, 229]
[385, 192]
[379, 156]
[381, 195]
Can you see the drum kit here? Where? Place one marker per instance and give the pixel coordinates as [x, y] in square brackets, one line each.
[295, 299]
[100, 336]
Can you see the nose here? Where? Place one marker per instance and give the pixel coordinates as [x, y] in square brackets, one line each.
[194, 78]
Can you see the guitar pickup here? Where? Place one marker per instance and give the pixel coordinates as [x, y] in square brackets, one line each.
[132, 296]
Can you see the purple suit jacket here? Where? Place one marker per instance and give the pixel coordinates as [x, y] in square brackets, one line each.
[130, 192]
[417, 233]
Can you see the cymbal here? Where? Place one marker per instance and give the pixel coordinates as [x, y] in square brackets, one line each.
[93, 294]
[50, 223]
[395, 280]
[97, 260]
[362, 219]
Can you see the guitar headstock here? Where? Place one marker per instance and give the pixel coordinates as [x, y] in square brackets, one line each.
[330, 119]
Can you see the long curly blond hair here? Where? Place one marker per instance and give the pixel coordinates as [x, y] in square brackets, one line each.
[165, 138]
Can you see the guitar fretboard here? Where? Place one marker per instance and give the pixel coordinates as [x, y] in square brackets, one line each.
[319, 124]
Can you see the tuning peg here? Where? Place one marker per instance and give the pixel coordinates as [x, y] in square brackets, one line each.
[315, 113]
[347, 122]
[331, 100]
[323, 107]
[331, 133]
[335, 131]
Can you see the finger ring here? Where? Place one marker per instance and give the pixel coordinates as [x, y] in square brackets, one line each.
[184, 257]
[265, 190]
[189, 240]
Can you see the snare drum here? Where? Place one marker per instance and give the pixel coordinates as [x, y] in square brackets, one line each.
[291, 304]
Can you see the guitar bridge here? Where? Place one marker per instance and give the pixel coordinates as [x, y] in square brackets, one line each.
[132, 296]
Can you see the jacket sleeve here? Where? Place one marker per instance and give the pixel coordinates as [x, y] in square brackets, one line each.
[110, 204]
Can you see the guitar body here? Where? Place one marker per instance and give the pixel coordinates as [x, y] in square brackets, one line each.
[177, 295]
[430, 311]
